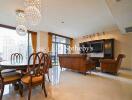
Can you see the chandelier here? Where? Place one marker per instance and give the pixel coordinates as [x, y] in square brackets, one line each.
[36, 3]
[20, 19]
[30, 16]
[33, 15]
[21, 30]
[32, 11]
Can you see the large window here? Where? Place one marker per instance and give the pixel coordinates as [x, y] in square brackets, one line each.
[11, 42]
[59, 46]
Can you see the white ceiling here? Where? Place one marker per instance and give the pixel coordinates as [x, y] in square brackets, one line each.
[80, 17]
[122, 13]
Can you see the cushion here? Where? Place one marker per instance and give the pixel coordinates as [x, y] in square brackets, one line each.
[8, 70]
[11, 76]
[35, 79]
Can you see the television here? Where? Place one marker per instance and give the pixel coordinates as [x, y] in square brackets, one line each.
[97, 47]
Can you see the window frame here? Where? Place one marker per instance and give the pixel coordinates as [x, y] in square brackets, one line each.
[55, 57]
[14, 28]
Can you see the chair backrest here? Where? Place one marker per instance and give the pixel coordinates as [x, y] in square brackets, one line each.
[47, 62]
[33, 68]
[16, 57]
[119, 60]
[44, 58]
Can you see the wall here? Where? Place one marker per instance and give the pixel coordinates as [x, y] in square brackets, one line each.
[42, 41]
[121, 11]
[123, 44]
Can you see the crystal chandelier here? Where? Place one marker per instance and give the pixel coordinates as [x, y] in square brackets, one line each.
[30, 16]
[20, 19]
[32, 11]
[36, 3]
[21, 30]
[33, 15]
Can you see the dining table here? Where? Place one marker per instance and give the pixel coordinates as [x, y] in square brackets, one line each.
[7, 65]
[18, 65]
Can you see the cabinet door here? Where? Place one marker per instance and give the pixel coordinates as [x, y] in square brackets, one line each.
[109, 48]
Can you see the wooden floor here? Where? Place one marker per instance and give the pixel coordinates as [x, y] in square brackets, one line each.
[69, 85]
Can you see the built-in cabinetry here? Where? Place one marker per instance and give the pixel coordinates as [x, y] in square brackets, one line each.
[98, 49]
[109, 49]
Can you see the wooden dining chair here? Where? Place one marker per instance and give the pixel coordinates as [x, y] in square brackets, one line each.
[34, 76]
[46, 64]
[9, 78]
[16, 57]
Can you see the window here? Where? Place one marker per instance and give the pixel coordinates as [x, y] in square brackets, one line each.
[59, 46]
[11, 42]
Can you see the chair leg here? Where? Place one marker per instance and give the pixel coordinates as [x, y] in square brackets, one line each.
[48, 76]
[16, 86]
[43, 87]
[2, 90]
[29, 94]
[20, 89]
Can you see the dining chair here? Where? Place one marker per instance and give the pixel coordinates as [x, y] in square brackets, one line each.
[46, 65]
[9, 78]
[16, 57]
[34, 76]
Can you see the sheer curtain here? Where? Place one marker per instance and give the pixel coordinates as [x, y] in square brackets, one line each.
[11, 42]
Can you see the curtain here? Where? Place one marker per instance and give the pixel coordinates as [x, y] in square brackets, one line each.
[50, 42]
[71, 45]
[34, 41]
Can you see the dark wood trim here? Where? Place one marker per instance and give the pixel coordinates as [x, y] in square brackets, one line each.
[6, 26]
[12, 27]
[59, 35]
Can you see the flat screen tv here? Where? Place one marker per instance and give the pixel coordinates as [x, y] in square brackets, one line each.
[97, 47]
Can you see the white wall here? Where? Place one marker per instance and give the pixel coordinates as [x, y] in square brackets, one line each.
[122, 13]
[42, 41]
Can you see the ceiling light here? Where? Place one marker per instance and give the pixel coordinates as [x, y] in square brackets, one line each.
[32, 15]
[21, 30]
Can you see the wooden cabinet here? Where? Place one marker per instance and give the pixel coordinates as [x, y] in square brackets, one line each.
[102, 49]
[109, 49]
[104, 46]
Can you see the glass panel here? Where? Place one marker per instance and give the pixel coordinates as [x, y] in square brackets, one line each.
[53, 38]
[30, 45]
[67, 41]
[60, 49]
[59, 46]
[53, 53]
[67, 48]
[60, 39]
[11, 42]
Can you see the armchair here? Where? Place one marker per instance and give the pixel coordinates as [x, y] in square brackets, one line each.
[35, 76]
[110, 65]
